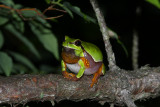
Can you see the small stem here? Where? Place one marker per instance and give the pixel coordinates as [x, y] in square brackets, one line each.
[135, 51]
[104, 30]
[135, 48]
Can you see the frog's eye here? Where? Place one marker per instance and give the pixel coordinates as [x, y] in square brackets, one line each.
[77, 43]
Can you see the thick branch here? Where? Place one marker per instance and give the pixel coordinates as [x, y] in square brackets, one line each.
[118, 87]
[104, 30]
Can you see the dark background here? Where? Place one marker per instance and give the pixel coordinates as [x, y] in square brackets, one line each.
[121, 17]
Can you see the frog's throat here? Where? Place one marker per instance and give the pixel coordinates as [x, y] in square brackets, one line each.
[69, 56]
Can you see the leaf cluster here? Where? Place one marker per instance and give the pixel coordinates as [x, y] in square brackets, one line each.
[24, 44]
[18, 48]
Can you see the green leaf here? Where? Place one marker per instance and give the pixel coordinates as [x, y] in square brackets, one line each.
[22, 59]
[155, 3]
[77, 10]
[20, 36]
[50, 43]
[45, 69]
[6, 63]
[43, 22]
[123, 46]
[7, 2]
[1, 39]
[29, 13]
[19, 69]
[48, 1]
[41, 95]
[3, 20]
[68, 11]
[64, 7]
[113, 34]
[18, 6]
[18, 23]
[61, 5]
[46, 37]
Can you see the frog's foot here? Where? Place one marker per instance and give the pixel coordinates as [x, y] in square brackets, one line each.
[70, 76]
[96, 76]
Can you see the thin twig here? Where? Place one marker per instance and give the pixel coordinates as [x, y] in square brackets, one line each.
[104, 30]
[135, 50]
[19, 11]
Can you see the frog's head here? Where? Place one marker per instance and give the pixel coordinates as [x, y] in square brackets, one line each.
[73, 44]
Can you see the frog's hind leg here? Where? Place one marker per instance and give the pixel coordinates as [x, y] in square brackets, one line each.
[70, 76]
[97, 75]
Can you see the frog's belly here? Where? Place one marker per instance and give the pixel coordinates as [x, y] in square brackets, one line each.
[88, 71]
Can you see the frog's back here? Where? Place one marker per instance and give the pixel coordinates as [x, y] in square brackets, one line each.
[93, 50]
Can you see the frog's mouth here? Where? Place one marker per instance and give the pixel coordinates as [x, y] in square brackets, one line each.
[67, 49]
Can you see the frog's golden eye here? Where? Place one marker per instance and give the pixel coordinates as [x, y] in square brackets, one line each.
[77, 43]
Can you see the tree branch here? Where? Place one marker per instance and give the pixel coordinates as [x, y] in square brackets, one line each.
[104, 30]
[118, 87]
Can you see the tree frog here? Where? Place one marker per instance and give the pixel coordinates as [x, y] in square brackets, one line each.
[81, 58]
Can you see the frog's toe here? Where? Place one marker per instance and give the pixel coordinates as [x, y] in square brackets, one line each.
[70, 76]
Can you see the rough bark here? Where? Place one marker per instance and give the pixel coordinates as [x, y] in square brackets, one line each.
[118, 87]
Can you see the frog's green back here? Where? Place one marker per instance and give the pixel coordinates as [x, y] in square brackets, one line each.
[93, 50]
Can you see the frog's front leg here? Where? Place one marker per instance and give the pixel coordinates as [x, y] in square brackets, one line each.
[101, 71]
[66, 74]
[82, 68]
